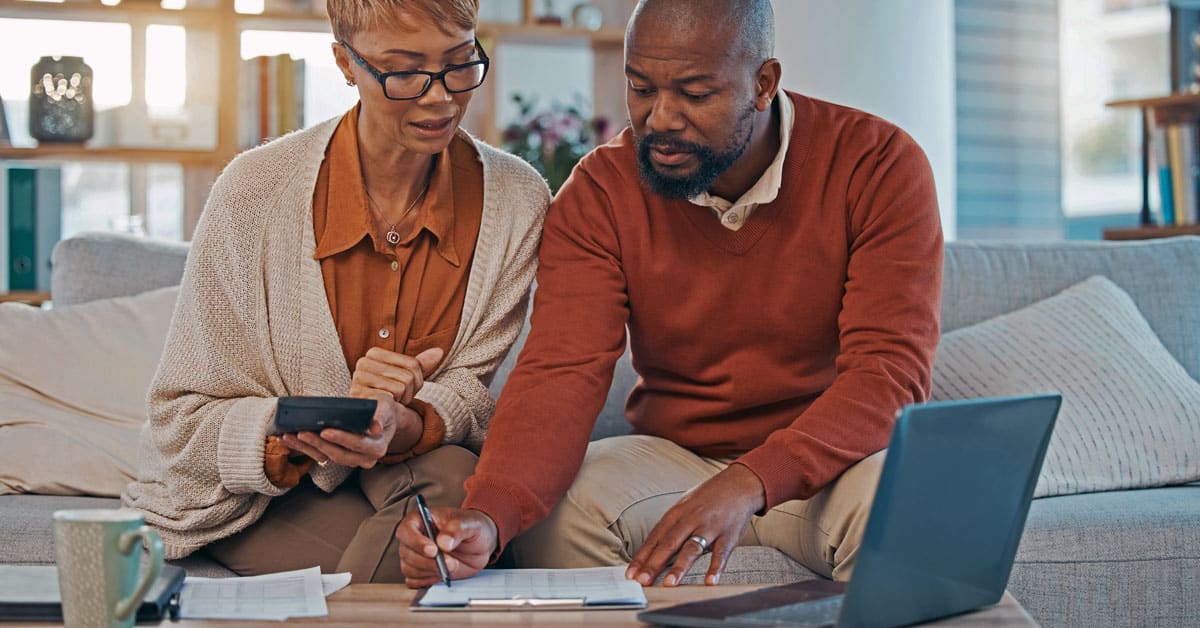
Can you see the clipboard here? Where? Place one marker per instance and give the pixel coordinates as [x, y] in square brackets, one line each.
[30, 593]
[595, 588]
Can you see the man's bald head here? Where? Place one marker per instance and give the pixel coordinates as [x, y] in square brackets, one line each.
[747, 27]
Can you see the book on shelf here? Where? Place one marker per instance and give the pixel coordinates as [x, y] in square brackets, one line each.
[271, 98]
[34, 210]
[1175, 160]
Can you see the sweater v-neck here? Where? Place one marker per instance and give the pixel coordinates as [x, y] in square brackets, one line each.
[736, 242]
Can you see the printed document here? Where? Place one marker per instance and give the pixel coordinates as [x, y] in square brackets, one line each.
[276, 596]
[600, 587]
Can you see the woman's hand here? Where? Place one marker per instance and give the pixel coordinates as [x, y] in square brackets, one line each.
[396, 374]
[392, 379]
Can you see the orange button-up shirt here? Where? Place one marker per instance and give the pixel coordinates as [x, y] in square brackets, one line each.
[404, 298]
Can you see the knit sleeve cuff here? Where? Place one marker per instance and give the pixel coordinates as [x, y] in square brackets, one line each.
[455, 414]
[431, 435]
[495, 502]
[241, 454]
[782, 474]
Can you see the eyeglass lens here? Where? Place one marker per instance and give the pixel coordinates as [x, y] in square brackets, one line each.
[456, 80]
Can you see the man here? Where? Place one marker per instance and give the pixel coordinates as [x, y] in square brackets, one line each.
[776, 335]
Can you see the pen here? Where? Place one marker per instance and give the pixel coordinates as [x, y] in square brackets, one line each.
[431, 532]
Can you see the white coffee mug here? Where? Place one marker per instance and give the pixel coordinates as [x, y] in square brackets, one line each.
[98, 553]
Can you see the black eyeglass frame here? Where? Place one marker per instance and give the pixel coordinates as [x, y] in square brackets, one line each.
[430, 77]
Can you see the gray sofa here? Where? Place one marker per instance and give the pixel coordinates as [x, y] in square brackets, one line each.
[1128, 558]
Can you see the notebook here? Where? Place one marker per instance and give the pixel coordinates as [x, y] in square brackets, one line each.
[30, 593]
[942, 531]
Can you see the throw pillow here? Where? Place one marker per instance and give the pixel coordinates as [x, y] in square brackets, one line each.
[1131, 414]
[73, 385]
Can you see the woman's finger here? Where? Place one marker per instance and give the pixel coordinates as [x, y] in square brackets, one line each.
[298, 446]
[401, 388]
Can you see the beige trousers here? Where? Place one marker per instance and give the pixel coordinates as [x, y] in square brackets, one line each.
[627, 483]
[351, 529]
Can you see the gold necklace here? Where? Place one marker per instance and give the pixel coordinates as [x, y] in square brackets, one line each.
[392, 236]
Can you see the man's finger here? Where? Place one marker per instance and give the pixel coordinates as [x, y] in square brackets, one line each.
[720, 555]
[657, 560]
[683, 561]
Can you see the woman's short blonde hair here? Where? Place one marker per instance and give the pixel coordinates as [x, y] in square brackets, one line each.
[348, 17]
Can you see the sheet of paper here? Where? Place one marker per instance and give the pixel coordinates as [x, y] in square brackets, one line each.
[594, 585]
[333, 582]
[276, 596]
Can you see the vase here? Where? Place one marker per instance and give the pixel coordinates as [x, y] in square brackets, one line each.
[588, 16]
[60, 100]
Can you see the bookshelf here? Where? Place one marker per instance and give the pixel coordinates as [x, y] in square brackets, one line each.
[1176, 107]
[215, 81]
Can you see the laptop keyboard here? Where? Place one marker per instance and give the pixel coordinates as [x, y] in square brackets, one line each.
[813, 612]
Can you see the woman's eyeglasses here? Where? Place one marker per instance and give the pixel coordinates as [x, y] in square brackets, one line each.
[412, 84]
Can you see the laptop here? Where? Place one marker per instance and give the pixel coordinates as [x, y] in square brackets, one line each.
[942, 532]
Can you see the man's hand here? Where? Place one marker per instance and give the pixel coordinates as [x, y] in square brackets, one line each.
[390, 378]
[468, 538]
[716, 511]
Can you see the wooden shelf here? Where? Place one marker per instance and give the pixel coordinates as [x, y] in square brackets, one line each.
[551, 34]
[1172, 100]
[1150, 233]
[30, 297]
[83, 152]
[222, 27]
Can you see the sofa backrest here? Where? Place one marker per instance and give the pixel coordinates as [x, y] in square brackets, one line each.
[100, 265]
[982, 280]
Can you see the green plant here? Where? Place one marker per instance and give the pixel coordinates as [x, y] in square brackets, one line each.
[552, 139]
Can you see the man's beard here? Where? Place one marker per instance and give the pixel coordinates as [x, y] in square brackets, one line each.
[712, 164]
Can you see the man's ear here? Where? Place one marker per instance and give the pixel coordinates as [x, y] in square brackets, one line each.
[766, 83]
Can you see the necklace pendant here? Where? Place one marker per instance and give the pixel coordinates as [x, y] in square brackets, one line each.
[392, 237]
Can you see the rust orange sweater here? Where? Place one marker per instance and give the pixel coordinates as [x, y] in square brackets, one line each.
[789, 344]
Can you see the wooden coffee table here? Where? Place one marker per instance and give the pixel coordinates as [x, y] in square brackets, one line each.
[387, 604]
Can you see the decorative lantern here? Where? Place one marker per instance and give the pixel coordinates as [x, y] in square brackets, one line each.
[60, 100]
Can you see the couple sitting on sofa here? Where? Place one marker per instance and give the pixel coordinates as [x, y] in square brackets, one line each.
[777, 261]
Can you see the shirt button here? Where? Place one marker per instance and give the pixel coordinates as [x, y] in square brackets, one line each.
[384, 333]
[732, 218]
[395, 265]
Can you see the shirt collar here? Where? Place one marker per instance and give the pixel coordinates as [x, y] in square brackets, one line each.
[767, 187]
[350, 218]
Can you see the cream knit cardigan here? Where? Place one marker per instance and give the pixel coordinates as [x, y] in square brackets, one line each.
[253, 324]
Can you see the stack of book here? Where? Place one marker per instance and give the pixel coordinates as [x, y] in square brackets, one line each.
[272, 98]
[1174, 149]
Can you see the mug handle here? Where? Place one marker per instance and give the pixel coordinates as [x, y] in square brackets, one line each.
[126, 543]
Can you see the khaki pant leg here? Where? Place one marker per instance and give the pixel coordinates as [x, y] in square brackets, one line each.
[625, 485]
[301, 528]
[373, 555]
[824, 532]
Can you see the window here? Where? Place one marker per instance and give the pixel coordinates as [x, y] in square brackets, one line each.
[1111, 50]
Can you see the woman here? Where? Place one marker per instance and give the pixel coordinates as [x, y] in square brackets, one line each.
[383, 255]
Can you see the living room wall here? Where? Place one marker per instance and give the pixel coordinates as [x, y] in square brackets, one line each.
[894, 59]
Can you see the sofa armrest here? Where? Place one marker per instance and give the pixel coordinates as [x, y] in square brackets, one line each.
[99, 265]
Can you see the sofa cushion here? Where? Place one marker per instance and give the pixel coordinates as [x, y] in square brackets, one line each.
[1129, 417]
[1121, 558]
[27, 536]
[73, 384]
[986, 279]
